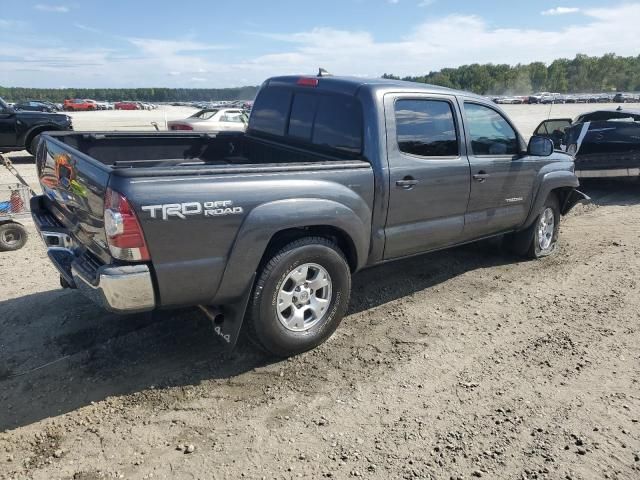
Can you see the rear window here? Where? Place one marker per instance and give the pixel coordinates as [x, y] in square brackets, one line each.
[303, 112]
[338, 124]
[326, 120]
[271, 110]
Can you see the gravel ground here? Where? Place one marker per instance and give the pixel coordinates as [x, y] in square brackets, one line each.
[464, 364]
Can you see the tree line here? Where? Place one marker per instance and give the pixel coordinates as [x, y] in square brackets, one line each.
[18, 94]
[583, 74]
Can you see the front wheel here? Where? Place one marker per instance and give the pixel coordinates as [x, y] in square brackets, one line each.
[13, 236]
[32, 148]
[300, 297]
[541, 238]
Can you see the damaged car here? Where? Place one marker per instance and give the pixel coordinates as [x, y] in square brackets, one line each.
[604, 143]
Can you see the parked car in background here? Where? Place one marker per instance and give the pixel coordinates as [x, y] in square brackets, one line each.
[79, 105]
[552, 98]
[127, 105]
[605, 143]
[537, 97]
[21, 129]
[35, 106]
[213, 120]
[104, 105]
[624, 98]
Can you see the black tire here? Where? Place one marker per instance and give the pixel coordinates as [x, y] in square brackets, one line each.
[13, 236]
[32, 148]
[530, 243]
[263, 323]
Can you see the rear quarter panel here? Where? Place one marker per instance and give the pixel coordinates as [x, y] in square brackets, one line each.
[190, 255]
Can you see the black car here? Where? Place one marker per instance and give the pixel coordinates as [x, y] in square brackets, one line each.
[36, 106]
[605, 143]
[21, 129]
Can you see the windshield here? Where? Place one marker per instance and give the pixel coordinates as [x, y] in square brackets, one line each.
[3, 105]
[204, 114]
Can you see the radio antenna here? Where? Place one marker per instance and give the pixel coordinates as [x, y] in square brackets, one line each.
[553, 100]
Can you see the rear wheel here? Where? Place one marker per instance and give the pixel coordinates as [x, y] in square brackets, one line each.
[13, 236]
[300, 297]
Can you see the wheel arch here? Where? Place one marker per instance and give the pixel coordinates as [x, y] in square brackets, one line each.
[560, 182]
[272, 225]
[38, 129]
[330, 232]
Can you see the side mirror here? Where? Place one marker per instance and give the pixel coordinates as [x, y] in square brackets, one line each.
[540, 146]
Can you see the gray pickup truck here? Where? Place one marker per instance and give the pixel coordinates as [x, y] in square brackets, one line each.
[265, 228]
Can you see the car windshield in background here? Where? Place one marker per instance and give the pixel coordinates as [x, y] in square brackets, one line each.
[204, 114]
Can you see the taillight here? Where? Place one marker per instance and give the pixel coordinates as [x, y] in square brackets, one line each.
[181, 127]
[124, 234]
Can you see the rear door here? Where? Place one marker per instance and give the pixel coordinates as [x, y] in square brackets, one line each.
[502, 175]
[428, 173]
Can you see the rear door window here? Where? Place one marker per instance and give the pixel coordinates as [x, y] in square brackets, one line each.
[426, 128]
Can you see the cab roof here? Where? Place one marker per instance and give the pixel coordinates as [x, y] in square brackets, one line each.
[351, 85]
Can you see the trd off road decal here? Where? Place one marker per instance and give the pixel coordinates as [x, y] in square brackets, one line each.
[182, 210]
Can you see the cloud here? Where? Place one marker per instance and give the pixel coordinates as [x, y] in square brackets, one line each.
[163, 48]
[86, 28]
[32, 60]
[426, 3]
[51, 8]
[560, 11]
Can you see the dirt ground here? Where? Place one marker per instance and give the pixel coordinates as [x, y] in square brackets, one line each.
[457, 365]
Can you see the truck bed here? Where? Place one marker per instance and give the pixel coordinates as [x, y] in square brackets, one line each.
[160, 150]
[166, 169]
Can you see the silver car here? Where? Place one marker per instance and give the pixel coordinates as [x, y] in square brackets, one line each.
[213, 120]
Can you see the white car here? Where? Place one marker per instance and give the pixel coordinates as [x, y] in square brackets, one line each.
[213, 120]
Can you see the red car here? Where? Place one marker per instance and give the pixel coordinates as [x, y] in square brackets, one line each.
[127, 106]
[79, 104]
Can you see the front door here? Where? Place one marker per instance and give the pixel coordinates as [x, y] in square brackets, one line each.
[8, 136]
[502, 175]
[428, 174]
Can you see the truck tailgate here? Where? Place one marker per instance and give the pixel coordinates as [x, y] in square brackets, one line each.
[74, 187]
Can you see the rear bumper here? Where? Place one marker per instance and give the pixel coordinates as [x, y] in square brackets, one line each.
[609, 173]
[117, 288]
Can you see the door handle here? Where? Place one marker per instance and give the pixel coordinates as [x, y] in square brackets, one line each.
[481, 176]
[407, 183]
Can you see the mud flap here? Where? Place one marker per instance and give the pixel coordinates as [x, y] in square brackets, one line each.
[227, 320]
[574, 198]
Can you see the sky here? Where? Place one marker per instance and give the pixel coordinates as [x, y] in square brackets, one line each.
[213, 43]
